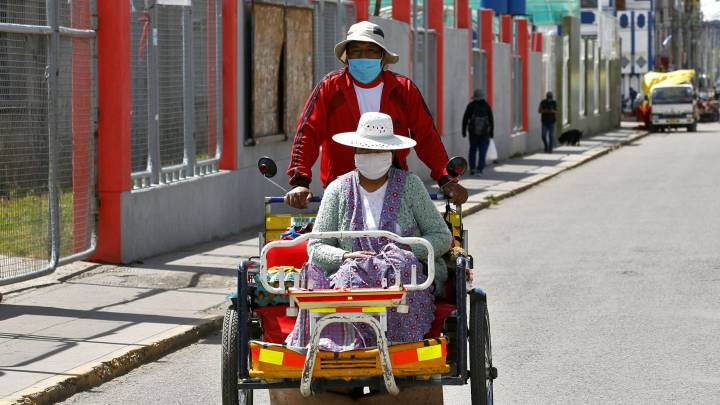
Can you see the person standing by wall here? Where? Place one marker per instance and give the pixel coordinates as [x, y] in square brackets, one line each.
[548, 112]
[478, 125]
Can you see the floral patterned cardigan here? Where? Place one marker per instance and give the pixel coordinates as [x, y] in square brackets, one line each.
[416, 216]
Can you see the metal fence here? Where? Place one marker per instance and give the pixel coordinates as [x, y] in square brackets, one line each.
[330, 25]
[47, 144]
[516, 96]
[176, 87]
[479, 72]
[425, 67]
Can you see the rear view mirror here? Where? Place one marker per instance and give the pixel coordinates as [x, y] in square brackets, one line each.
[267, 167]
[456, 166]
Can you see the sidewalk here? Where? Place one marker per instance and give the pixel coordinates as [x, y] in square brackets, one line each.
[88, 323]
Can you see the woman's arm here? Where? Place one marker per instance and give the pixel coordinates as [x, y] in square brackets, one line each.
[430, 223]
[325, 252]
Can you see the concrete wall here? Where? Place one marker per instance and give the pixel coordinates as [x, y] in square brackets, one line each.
[456, 88]
[397, 39]
[501, 99]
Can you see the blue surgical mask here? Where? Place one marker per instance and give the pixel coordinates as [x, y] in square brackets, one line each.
[364, 70]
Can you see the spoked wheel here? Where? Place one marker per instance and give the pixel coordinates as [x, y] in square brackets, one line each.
[230, 393]
[482, 372]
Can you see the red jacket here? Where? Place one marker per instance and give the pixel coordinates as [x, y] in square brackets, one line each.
[333, 108]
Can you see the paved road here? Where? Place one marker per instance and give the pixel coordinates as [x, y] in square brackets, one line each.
[604, 287]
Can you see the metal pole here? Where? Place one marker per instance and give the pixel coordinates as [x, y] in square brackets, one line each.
[154, 164]
[414, 40]
[218, 81]
[52, 73]
[426, 70]
[188, 93]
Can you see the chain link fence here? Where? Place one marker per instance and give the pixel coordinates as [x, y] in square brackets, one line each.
[331, 20]
[47, 143]
[176, 90]
[425, 68]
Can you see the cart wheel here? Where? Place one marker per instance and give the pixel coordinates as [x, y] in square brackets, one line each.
[230, 393]
[482, 373]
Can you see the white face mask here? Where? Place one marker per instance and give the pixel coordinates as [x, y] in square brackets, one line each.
[373, 165]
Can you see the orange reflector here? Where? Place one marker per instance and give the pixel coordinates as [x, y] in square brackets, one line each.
[278, 358]
[419, 354]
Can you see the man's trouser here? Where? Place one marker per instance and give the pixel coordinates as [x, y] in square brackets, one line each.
[548, 136]
[479, 146]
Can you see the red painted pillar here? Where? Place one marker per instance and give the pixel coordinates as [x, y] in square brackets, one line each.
[401, 11]
[462, 15]
[228, 160]
[506, 29]
[81, 130]
[211, 63]
[362, 8]
[537, 42]
[521, 26]
[486, 44]
[114, 103]
[434, 14]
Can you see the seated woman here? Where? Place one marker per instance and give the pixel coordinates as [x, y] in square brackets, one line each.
[376, 196]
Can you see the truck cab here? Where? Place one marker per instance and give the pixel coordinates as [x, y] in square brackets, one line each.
[673, 106]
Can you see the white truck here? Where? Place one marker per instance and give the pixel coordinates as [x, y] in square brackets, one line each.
[673, 106]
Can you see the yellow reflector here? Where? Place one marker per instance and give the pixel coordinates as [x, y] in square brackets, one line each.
[429, 352]
[323, 310]
[373, 309]
[272, 356]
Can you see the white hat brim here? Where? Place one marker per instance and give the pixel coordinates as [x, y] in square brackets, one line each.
[389, 57]
[394, 142]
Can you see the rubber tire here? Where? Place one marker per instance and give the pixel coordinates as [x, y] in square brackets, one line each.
[481, 384]
[229, 370]
[692, 127]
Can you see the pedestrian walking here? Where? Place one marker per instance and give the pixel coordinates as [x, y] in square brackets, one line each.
[479, 127]
[363, 85]
[548, 111]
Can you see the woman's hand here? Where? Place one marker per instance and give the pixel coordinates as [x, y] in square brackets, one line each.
[360, 254]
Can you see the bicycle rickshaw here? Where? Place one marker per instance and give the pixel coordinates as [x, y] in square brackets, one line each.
[262, 313]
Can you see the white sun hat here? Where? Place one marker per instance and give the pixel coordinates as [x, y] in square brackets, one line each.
[365, 31]
[374, 131]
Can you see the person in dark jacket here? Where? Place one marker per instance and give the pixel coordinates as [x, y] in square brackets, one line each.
[479, 126]
[547, 111]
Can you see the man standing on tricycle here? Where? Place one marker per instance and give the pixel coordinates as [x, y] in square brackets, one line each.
[364, 85]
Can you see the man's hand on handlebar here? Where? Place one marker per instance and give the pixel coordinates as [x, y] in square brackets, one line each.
[360, 254]
[457, 193]
[298, 197]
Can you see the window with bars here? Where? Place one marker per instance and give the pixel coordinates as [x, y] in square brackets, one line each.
[581, 87]
[607, 85]
[516, 88]
[566, 80]
[596, 80]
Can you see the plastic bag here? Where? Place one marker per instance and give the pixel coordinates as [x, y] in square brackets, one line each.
[491, 154]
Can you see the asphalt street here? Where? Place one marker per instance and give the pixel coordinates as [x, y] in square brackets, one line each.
[603, 285]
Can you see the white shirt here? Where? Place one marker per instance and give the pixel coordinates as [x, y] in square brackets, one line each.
[372, 206]
[368, 98]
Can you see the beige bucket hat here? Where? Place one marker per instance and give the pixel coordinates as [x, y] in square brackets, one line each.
[374, 131]
[365, 31]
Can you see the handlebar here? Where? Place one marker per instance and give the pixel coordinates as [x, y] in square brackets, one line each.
[318, 198]
[281, 199]
[346, 234]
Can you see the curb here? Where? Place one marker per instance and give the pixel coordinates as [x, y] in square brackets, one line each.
[93, 374]
[507, 194]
